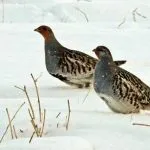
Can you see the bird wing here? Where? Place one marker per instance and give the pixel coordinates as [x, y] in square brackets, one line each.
[133, 86]
[77, 64]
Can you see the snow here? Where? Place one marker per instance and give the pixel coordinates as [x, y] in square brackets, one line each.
[53, 143]
[92, 124]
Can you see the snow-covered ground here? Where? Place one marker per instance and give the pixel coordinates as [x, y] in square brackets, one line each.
[92, 125]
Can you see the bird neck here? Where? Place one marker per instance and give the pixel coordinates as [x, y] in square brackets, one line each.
[52, 55]
[104, 71]
[52, 45]
[106, 65]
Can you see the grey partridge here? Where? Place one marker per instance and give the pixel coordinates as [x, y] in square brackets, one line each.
[122, 91]
[70, 66]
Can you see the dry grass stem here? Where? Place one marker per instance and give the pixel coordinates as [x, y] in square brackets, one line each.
[11, 121]
[39, 131]
[28, 98]
[37, 93]
[30, 114]
[123, 21]
[141, 124]
[35, 127]
[85, 15]
[141, 15]
[58, 114]
[68, 118]
[38, 127]
[15, 132]
[135, 12]
[43, 124]
[31, 137]
[57, 125]
[10, 125]
[86, 95]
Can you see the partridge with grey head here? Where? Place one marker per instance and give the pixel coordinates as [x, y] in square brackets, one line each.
[122, 91]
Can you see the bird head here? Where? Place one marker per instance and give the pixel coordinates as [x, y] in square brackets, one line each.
[45, 31]
[102, 51]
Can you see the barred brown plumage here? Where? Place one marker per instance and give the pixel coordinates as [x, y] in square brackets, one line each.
[122, 91]
[70, 66]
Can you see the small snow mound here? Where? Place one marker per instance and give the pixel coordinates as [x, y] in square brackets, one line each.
[51, 143]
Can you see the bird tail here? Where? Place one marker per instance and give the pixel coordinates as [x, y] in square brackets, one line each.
[120, 62]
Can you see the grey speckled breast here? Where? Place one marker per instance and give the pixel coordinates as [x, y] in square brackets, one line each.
[102, 78]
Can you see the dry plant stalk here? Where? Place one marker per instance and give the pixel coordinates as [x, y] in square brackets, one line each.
[68, 118]
[31, 137]
[38, 130]
[123, 21]
[58, 114]
[30, 114]
[86, 96]
[11, 121]
[135, 12]
[37, 93]
[57, 124]
[10, 125]
[57, 117]
[141, 15]
[28, 98]
[15, 132]
[85, 15]
[35, 127]
[43, 124]
[141, 124]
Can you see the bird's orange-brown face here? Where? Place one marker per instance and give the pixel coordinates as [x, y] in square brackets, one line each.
[45, 31]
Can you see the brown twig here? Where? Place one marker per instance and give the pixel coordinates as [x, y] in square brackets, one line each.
[10, 125]
[31, 137]
[30, 114]
[24, 89]
[43, 124]
[58, 114]
[68, 118]
[15, 132]
[11, 121]
[57, 124]
[135, 12]
[33, 123]
[21, 130]
[35, 127]
[86, 96]
[141, 15]
[37, 92]
[141, 124]
[85, 15]
[123, 21]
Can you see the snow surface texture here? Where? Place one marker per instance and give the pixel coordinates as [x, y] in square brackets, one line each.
[53, 143]
[81, 25]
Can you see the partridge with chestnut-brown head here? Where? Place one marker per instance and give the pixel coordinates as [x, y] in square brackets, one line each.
[70, 66]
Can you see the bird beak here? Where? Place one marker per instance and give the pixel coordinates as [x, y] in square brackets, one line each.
[93, 50]
[37, 30]
[96, 52]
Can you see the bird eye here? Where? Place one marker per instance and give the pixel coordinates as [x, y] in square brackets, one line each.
[44, 28]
